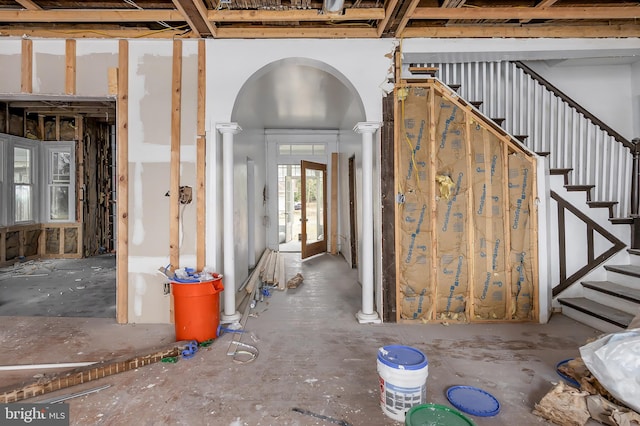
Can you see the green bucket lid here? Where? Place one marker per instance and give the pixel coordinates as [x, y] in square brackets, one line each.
[435, 415]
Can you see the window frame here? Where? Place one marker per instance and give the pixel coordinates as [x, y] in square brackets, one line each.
[48, 149]
[33, 147]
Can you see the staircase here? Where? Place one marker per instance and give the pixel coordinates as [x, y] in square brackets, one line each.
[608, 305]
[601, 295]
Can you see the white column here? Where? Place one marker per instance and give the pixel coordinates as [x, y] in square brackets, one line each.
[367, 314]
[230, 315]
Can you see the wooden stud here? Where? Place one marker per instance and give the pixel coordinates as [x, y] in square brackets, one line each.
[29, 4]
[396, 172]
[57, 127]
[507, 233]
[334, 202]
[342, 32]
[122, 148]
[79, 122]
[174, 181]
[556, 13]
[534, 240]
[112, 79]
[201, 153]
[471, 232]
[41, 126]
[70, 59]
[432, 196]
[524, 31]
[26, 85]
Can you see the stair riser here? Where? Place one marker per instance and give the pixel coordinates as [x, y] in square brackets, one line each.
[612, 301]
[627, 280]
[583, 318]
[634, 259]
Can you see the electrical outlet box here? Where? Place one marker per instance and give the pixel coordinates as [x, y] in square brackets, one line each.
[186, 195]
[167, 289]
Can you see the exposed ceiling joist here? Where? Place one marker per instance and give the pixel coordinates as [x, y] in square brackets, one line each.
[382, 25]
[516, 31]
[195, 13]
[95, 31]
[543, 3]
[294, 15]
[345, 32]
[564, 13]
[405, 19]
[28, 4]
[90, 15]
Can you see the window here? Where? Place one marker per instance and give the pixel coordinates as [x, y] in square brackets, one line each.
[59, 182]
[37, 181]
[24, 178]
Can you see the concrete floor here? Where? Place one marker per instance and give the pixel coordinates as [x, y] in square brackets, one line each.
[313, 356]
[60, 288]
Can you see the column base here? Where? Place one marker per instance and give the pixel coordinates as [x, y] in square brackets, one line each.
[227, 319]
[368, 318]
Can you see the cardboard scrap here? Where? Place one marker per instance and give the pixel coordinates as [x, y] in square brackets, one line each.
[564, 405]
[295, 281]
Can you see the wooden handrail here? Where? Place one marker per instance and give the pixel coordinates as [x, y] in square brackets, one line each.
[617, 136]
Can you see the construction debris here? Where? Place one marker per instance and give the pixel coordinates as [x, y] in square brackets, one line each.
[295, 281]
[50, 383]
[270, 270]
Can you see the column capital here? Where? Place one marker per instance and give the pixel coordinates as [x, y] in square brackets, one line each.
[232, 128]
[367, 126]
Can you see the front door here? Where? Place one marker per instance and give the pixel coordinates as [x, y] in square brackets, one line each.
[314, 208]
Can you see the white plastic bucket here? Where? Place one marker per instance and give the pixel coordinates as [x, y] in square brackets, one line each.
[403, 372]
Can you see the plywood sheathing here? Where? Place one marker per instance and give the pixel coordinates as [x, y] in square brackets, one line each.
[460, 255]
[122, 144]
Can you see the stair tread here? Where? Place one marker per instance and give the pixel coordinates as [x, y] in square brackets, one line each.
[631, 270]
[543, 153]
[614, 289]
[598, 310]
[601, 203]
[635, 252]
[621, 220]
[579, 187]
[559, 171]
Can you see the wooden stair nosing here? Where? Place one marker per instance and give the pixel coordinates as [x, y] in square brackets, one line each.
[630, 270]
[614, 289]
[586, 188]
[598, 310]
[498, 121]
[543, 153]
[454, 87]
[521, 138]
[603, 204]
[561, 172]
[621, 220]
[635, 252]
[476, 104]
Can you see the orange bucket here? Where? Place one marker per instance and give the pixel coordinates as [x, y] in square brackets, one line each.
[197, 309]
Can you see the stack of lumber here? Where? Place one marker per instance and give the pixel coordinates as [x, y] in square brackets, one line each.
[270, 270]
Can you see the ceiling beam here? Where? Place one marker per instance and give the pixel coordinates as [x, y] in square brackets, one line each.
[474, 13]
[88, 15]
[530, 31]
[542, 3]
[405, 19]
[361, 14]
[453, 3]
[77, 32]
[296, 32]
[195, 14]
[382, 25]
[28, 4]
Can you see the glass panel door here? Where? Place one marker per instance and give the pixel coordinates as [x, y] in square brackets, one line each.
[314, 208]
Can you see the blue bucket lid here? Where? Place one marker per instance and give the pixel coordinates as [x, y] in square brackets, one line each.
[402, 357]
[474, 401]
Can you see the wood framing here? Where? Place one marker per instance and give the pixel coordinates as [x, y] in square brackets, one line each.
[174, 184]
[26, 85]
[70, 73]
[556, 13]
[86, 15]
[473, 233]
[224, 15]
[510, 31]
[122, 164]
[40, 241]
[201, 154]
